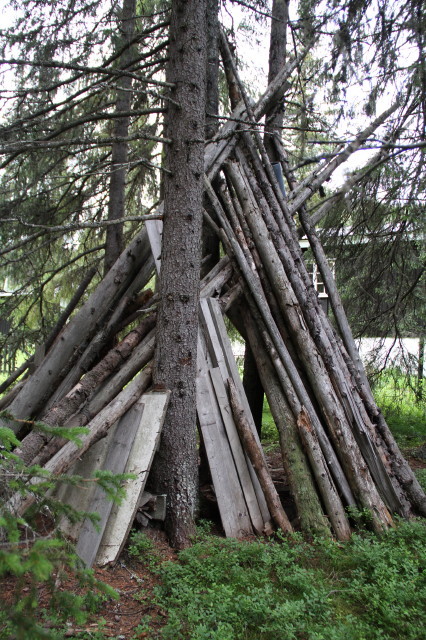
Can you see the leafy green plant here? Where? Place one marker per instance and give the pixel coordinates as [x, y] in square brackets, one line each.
[143, 548]
[35, 560]
[371, 587]
[405, 415]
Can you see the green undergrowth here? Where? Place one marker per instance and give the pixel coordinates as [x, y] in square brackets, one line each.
[43, 584]
[404, 412]
[371, 588]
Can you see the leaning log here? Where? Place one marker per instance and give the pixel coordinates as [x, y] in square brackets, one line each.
[302, 487]
[44, 380]
[97, 429]
[254, 452]
[323, 477]
[59, 414]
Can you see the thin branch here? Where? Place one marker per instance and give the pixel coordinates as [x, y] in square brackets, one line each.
[85, 225]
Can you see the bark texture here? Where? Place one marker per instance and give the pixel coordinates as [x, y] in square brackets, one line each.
[119, 152]
[277, 56]
[176, 349]
[257, 459]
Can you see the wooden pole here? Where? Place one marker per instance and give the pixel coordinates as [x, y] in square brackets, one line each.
[256, 458]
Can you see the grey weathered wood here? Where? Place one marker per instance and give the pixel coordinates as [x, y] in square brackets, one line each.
[240, 460]
[40, 386]
[141, 355]
[154, 229]
[116, 459]
[230, 499]
[230, 369]
[80, 496]
[139, 464]
[287, 371]
[97, 429]
[212, 339]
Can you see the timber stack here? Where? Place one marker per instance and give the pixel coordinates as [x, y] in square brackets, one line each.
[337, 450]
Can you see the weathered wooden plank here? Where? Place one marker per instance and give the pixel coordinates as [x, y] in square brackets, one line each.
[231, 367]
[237, 451]
[154, 229]
[115, 461]
[228, 356]
[80, 496]
[212, 341]
[232, 506]
[139, 464]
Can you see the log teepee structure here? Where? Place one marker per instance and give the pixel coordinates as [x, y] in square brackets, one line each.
[337, 450]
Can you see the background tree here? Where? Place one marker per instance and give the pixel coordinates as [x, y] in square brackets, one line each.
[65, 100]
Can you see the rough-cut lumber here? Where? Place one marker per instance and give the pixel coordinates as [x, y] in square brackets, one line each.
[115, 461]
[139, 464]
[232, 506]
[237, 452]
[224, 358]
[79, 496]
[255, 454]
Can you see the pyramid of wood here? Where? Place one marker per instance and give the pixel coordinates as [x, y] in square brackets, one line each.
[338, 453]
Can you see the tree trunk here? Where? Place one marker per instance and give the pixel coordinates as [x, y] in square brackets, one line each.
[210, 240]
[119, 152]
[277, 55]
[177, 326]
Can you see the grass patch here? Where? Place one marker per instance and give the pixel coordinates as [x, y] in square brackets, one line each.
[405, 415]
[372, 588]
[270, 438]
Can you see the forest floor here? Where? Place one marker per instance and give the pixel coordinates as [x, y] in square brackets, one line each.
[134, 579]
[136, 613]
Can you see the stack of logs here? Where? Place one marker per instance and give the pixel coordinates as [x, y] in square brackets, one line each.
[337, 449]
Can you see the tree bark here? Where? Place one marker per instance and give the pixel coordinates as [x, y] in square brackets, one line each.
[254, 452]
[308, 507]
[277, 56]
[59, 414]
[119, 153]
[177, 326]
